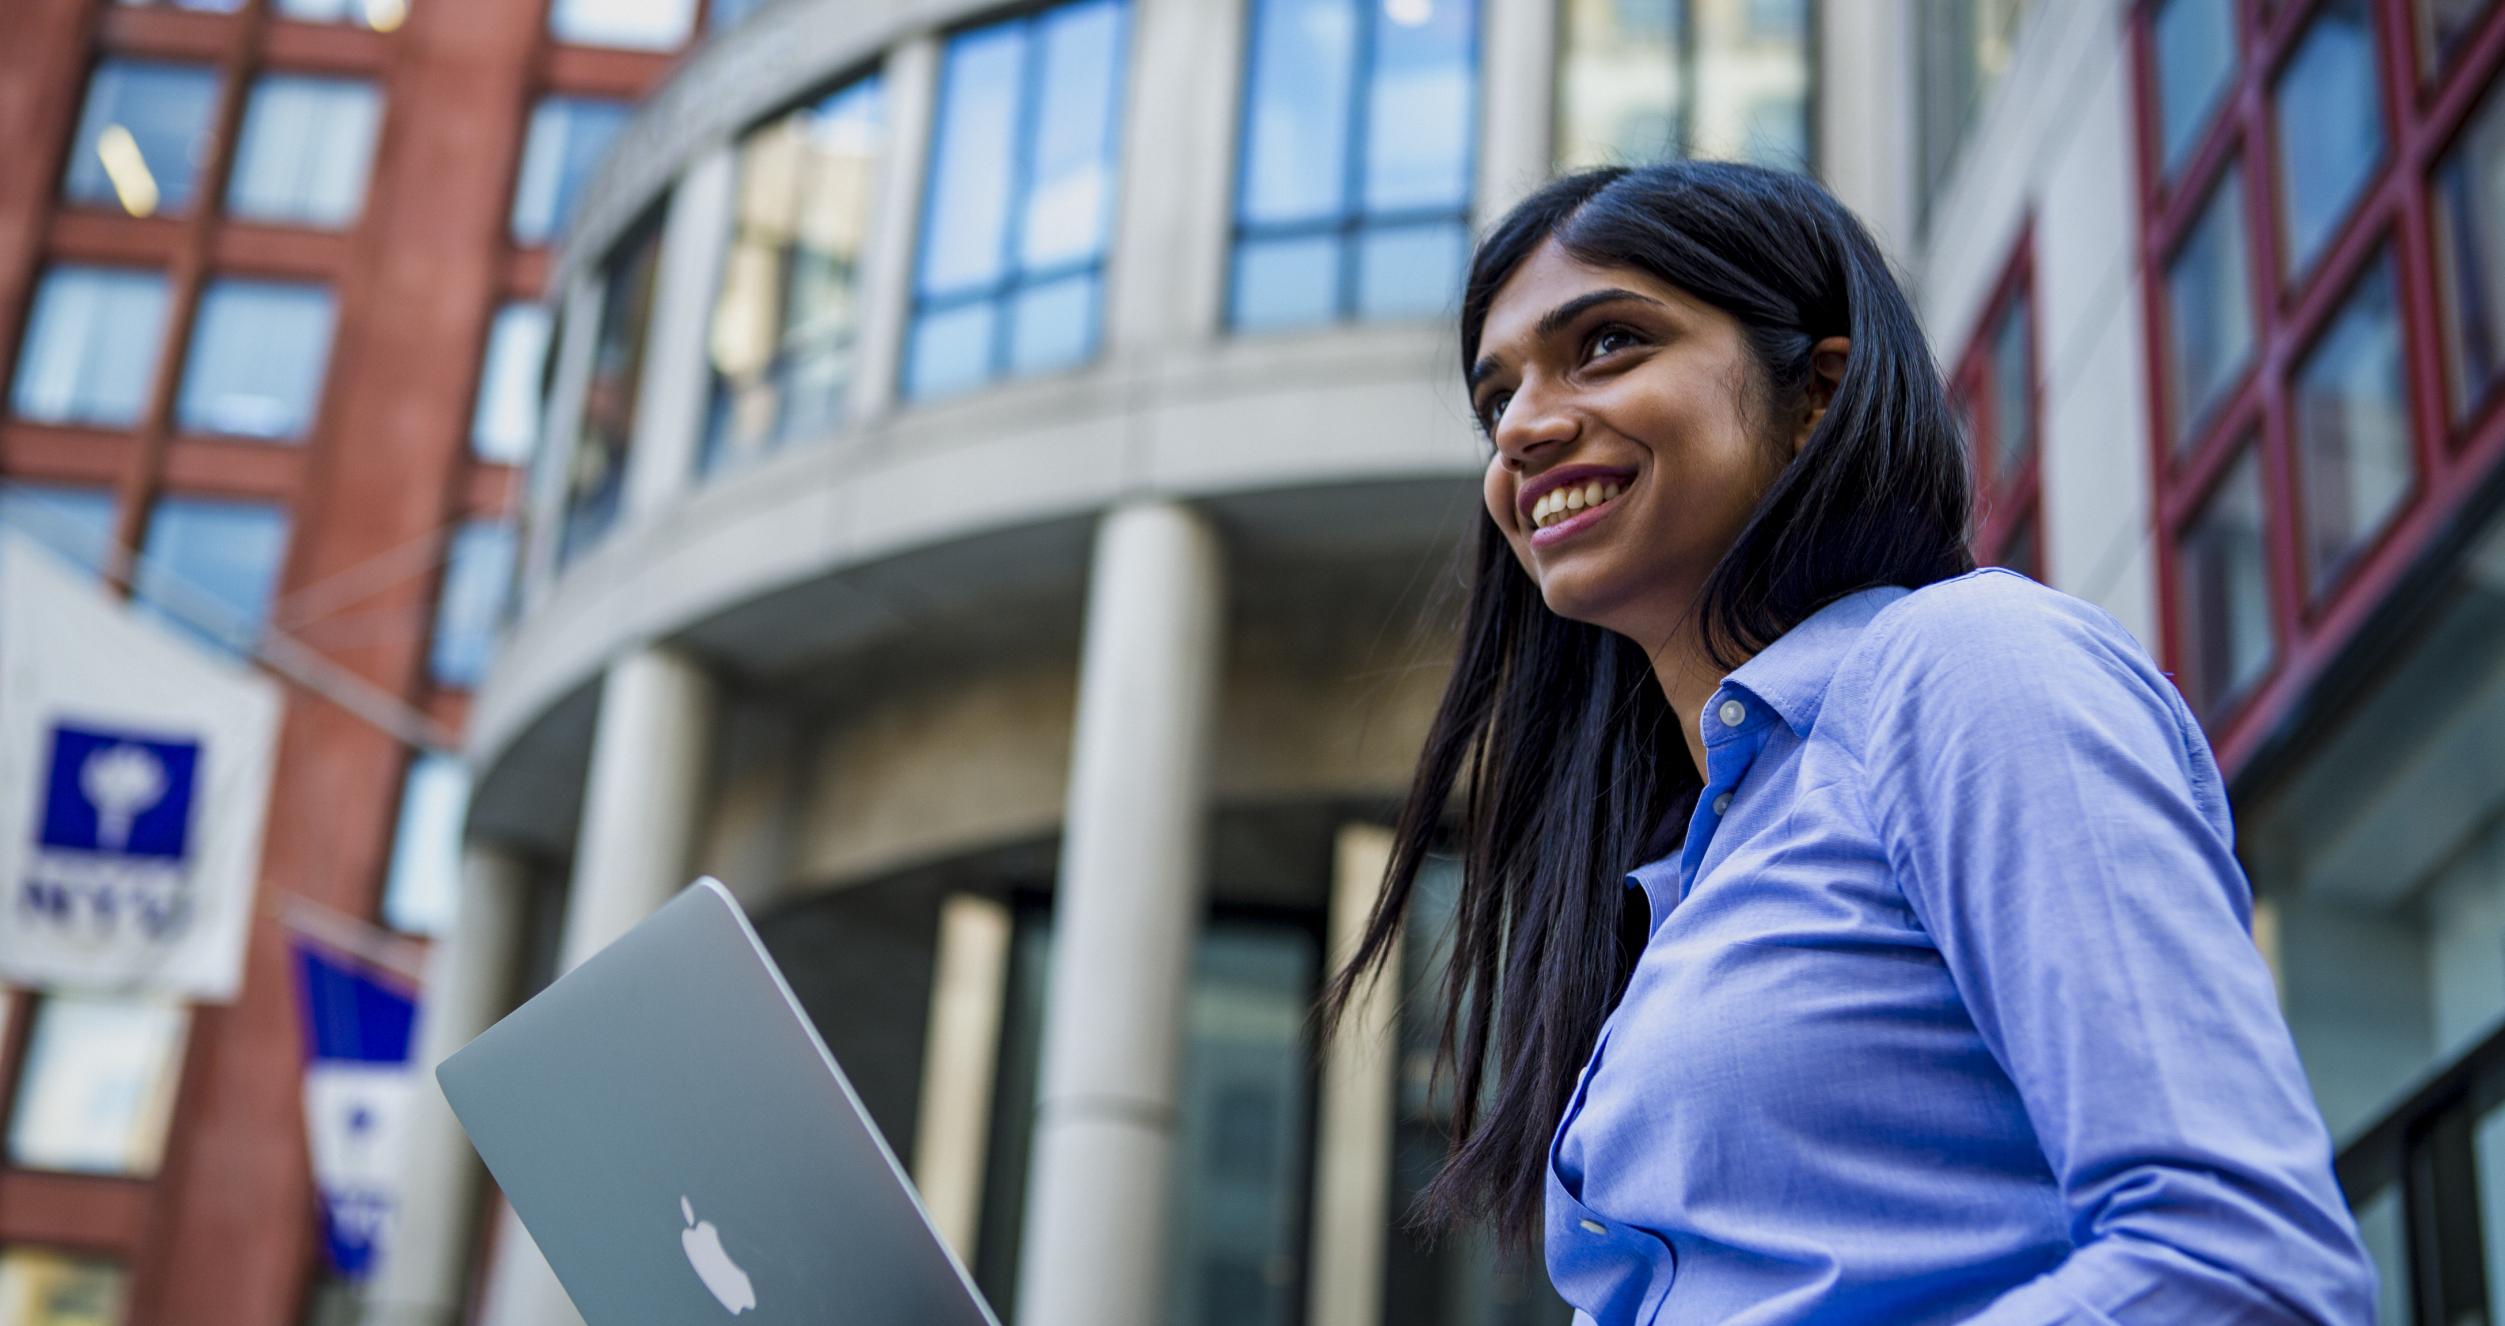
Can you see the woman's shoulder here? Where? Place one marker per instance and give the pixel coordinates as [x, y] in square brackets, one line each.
[1994, 635]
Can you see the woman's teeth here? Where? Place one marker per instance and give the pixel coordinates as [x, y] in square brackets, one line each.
[1563, 502]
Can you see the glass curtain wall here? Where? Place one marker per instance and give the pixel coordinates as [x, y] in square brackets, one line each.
[596, 476]
[1355, 176]
[1964, 47]
[1641, 80]
[1019, 198]
[789, 311]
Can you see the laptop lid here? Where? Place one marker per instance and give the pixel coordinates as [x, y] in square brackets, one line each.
[670, 1128]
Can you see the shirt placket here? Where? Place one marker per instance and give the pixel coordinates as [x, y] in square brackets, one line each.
[1735, 730]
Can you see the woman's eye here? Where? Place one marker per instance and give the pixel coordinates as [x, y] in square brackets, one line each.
[1495, 410]
[1603, 339]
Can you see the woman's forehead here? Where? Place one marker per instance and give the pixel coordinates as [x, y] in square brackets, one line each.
[1550, 277]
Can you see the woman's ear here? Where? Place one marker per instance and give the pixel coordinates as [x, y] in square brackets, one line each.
[1826, 371]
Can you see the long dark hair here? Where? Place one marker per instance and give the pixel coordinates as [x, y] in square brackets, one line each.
[1565, 754]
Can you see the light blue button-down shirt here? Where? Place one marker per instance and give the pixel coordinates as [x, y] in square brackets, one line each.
[1952, 1012]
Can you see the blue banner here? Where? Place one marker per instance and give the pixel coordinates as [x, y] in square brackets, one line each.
[356, 1088]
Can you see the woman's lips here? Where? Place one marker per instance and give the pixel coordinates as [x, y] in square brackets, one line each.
[1545, 536]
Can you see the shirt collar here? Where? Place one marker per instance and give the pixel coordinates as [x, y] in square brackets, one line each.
[1790, 675]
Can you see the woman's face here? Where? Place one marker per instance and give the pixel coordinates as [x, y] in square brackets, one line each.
[1604, 382]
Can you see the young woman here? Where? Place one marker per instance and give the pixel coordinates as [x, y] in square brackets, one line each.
[1846, 934]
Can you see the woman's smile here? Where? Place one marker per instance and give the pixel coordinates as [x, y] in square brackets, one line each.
[1569, 511]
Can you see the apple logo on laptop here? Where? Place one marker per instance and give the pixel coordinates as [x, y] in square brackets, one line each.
[720, 1274]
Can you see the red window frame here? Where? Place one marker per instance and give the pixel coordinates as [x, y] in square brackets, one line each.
[2004, 504]
[2423, 115]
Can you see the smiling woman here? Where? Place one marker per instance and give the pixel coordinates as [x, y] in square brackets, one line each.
[1927, 842]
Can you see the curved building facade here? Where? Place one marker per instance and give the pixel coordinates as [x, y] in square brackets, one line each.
[997, 503]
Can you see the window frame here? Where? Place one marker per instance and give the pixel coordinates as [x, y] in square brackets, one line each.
[2004, 504]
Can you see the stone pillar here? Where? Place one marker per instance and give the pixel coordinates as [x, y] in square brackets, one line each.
[1866, 93]
[1126, 915]
[1517, 105]
[951, 1138]
[470, 978]
[1165, 278]
[651, 752]
[1352, 1173]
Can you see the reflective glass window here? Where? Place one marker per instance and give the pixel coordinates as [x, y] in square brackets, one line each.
[788, 307]
[98, 1087]
[1019, 199]
[306, 150]
[642, 25]
[258, 353]
[596, 481]
[380, 15]
[476, 571]
[2222, 574]
[210, 565]
[2442, 25]
[143, 136]
[505, 418]
[420, 893]
[2022, 550]
[77, 523]
[204, 6]
[1638, 80]
[40, 1287]
[2330, 128]
[91, 347]
[2468, 199]
[2013, 389]
[1964, 47]
[2209, 311]
[2195, 42]
[2349, 407]
[1358, 152]
[723, 13]
[566, 140]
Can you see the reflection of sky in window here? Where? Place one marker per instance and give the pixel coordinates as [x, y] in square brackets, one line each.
[2195, 61]
[257, 357]
[2351, 416]
[2330, 126]
[1418, 111]
[642, 25]
[210, 565]
[143, 135]
[970, 185]
[91, 346]
[475, 574]
[1065, 210]
[74, 522]
[308, 144]
[567, 138]
[507, 415]
[424, 886]
[98, 1085]
[1304, 63]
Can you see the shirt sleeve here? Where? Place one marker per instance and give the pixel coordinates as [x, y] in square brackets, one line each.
[2058, 827]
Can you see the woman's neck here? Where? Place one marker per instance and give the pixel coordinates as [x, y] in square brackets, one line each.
[1688, 678]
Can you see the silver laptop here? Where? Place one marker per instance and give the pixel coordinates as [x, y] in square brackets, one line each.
[676, 1138]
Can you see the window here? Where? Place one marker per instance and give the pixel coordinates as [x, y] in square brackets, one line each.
[210, 565]
[1021, 185]
[1639, 80]
[77, 523]
[91, 347]
[2350, 412]
[207, 6]
[1994, 391]
[724, 13]
[307, 147]
[596, 481]
[44, 1288]
[643, 25]
[259, 350]
[2209, 312]
[1965, 47]
[2442, 27]
[2195, 44]
[788, 310]
[98, 1086]
[506, 418]
[2330, 129]
[380, 15]
[1355, 180]
[567, 137]
[2468, 197]
[142, 137]
[424, 886]
[2223, 619]
[475, 575]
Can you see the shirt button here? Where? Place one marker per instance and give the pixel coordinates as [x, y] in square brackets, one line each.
[1733, 713]
[1722, 803]
[1594, 1227]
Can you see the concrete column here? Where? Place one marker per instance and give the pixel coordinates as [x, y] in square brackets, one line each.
[909, 84]
[1352, 1173]
[470, 980]
[950, 1139]
[676, 391]
[650, 753]
[560, 428]
[1865, 123]
[1517, 103]
[1126, 914]
[1165, 278]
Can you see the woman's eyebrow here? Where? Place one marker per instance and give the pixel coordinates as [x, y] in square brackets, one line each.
[1556, 319]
